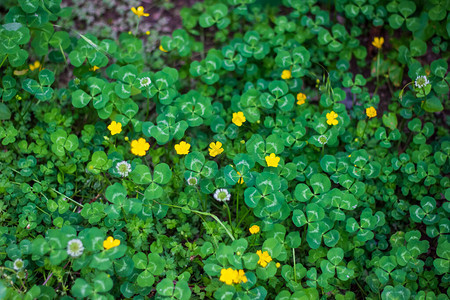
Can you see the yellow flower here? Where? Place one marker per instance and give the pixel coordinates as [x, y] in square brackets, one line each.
[331, 118]
[115, 127]
[272, 160]
[139, 11]
[139, 147]
[147, 32]
[110, 242]
[241, 180]
[378, 42]
[301, 98]
[240, 277]
[264, 258]
[278, 265]
[371, 112]
[254, 229]
[228, 275]
[94, 68]
[162, 49]
[35, 65]
[182, 148]
[238, 118]
[286, 75]
[215, 149]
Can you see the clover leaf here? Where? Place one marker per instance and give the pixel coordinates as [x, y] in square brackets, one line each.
[197, 167]
[215, 14]
[41, 90]
[63, 142]
[278, 94]
[151, 264]
[296, 60]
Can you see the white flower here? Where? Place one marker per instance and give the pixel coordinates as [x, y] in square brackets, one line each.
[123, 168]
[75, 248]
[145, 81]
[222, 195]
[421, 82]
[18, 264]
[192, 180]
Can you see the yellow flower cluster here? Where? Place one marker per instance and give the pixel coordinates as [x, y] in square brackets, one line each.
[230, 276]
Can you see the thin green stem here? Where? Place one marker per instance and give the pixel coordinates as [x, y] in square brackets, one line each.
[4, 60]
[62, 52]
[378, 68]
[148, 108]
[295, 271]
[242, 218]
[43, 211]
[229, 217]
[362, 290]
[137, 26]
[237, 205]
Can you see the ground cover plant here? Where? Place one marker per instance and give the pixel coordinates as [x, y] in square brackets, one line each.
[293, 149]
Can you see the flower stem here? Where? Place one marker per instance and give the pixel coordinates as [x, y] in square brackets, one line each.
[229, 217]
[137, 26]
[4, 60]
[237, 205]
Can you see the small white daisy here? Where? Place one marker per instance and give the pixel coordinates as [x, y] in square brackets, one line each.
[421, 82]
[192, 180]
[123, 168]
[75, 248]
[222, 195]
[18, 264]
[145, 81]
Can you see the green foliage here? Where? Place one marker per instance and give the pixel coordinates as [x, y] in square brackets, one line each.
[291, 150]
